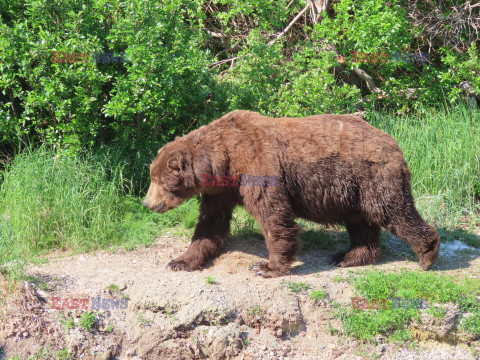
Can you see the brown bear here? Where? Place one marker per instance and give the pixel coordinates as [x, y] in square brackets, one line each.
[328, 169]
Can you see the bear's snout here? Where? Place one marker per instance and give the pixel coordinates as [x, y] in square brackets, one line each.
[159, 208]
[146, 204]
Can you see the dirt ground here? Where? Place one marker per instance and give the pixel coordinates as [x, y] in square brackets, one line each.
[233, 314]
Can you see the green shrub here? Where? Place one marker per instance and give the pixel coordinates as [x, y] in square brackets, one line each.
[265, 80]
[88, 320]
[463, 67]
[189, 61]
[161, 90]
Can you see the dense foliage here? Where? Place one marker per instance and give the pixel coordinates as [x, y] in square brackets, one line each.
[188, 61]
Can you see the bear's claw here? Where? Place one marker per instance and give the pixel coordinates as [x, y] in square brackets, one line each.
[261, 268]
[177, 265]
[338, 258]
[257, 266]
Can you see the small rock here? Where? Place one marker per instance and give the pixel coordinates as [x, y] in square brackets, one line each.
[336, 353]
[380, 350]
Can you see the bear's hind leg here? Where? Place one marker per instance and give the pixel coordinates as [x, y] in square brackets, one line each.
[210, 233]
[422, 237]
[364, 246]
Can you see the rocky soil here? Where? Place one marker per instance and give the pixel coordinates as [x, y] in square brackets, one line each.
[223, 311]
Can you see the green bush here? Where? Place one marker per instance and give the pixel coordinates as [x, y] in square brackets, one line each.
[163, 88]
[167, 81]
[368, 26]
[464, 67]
[264, 80]
[189, 61]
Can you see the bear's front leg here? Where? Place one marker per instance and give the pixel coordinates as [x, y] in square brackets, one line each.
[210, 233]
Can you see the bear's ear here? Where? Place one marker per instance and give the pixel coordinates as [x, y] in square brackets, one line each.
[178, 161]
[173, 164]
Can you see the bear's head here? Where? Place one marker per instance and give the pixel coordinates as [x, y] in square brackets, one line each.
[172, 177]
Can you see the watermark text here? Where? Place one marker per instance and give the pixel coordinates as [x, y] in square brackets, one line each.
[96, 303]
[396, 303]
[243, 180]
[60, 57]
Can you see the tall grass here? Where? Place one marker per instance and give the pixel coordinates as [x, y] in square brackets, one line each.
[59, 202]
[50, 201]
[442, 149]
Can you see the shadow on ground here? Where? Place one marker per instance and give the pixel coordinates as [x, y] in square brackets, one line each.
[458, 248]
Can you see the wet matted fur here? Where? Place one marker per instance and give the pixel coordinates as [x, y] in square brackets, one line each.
[331, 169]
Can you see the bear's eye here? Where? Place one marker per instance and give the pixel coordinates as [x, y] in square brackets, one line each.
[155, 181]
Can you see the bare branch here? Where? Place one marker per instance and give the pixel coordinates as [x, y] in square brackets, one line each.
[290, 3]
[368, 79]
[218, 63]
[295, 19]
[456, 27]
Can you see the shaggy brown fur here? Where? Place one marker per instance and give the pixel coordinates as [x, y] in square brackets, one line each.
[331, 169]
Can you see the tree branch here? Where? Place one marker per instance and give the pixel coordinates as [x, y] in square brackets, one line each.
[368, 79]
[218, 63]
[318, 6]
[295, 19]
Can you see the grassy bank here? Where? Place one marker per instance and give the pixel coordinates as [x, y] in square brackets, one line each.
[49, 201]
[442, 149]
[391, 321]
